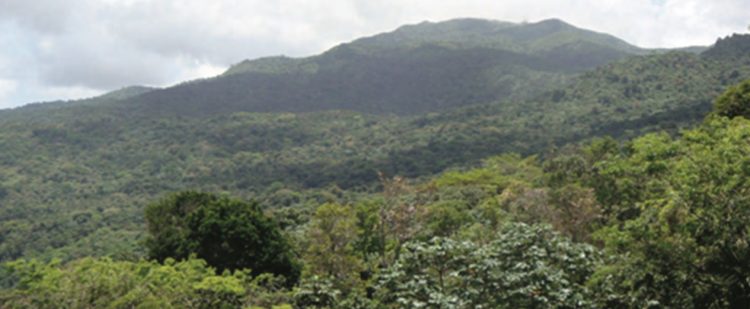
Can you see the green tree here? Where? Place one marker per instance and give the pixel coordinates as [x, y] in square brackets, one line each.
[398, 216]
[735, 102]
[525, 266]
[330, 252]
[316, 292]
[104, 283]
[227, 233]
[688, 245]
[445, 218]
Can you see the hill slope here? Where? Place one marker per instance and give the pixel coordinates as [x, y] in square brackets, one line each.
[73, 180]
[412, 70]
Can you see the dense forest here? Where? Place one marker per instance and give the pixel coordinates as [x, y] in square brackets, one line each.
[463, 164]
[657, 221]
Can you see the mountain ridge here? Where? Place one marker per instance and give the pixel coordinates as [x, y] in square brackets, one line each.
[565, 55]
[412, 70]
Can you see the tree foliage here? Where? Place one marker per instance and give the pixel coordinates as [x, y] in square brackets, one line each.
[686, 242]
[103, 283]
[226, 233]
[523, 267]
[330, 245]
[735, 102]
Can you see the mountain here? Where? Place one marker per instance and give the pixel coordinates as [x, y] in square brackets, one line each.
[125, 93]
[735, 47]
[74, 176]
[413, 70]
[107, 99]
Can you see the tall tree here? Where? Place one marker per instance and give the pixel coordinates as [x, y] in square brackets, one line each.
[227, 233]
[330, 252]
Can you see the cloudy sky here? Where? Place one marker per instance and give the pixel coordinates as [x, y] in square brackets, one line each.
[55, 49]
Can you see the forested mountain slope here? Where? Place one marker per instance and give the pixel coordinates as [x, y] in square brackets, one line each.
[656, 221]
[414, 69]
[74, 178]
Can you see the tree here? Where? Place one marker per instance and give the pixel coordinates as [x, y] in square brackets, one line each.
[227, 233]
[735, 101]
[688, 245]
[445, 218]
[330, 252]
[104, 283]
[525, 266]
[576, 212]
[398, 215]
[316, 292]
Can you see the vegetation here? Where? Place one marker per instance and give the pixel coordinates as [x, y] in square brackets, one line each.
[522, 267]
[667, 215]
[75, 179]
[227, 234]
[685, 241]
[735, 102]
[413, 70]
[514, 203]
[103, 283]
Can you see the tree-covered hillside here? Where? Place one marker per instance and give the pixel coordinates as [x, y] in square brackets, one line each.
[74, 176]
[658, 221]
[415, 69]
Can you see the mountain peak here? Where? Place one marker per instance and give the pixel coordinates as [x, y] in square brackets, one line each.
[126, 92]
[556, 22]
[269, 65]
[469, 24]
[466, 33]
[731, 47]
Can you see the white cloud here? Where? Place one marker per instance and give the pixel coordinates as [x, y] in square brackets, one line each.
[201, 70]
[48, 16]
[89, 46]
[6, 88]
[68, 93]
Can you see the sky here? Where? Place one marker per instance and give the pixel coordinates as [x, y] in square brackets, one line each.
[53, 49]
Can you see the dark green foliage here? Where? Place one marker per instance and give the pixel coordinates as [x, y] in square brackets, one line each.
[228, 234]
[169, 233]
[735, 102]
